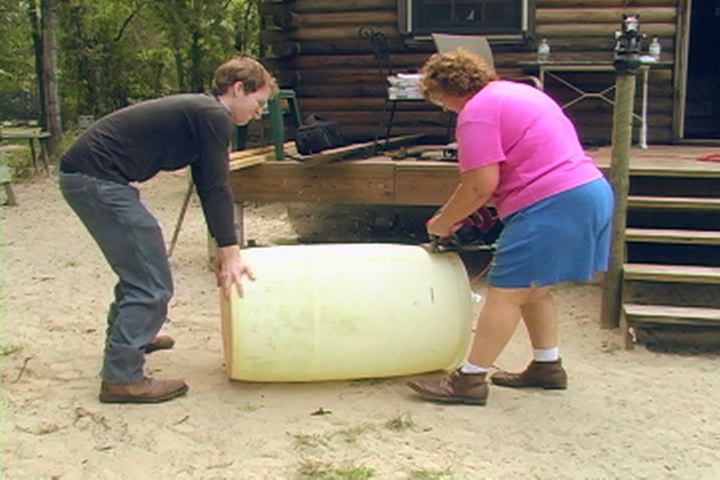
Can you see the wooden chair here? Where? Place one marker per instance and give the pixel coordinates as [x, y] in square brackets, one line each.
[381, 53]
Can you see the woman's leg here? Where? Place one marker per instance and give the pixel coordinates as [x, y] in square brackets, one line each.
[540, 319]
[497, 322]
[546, 369]
[495, 326]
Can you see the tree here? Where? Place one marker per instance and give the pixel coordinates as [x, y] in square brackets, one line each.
[49, 83]
[202, 34]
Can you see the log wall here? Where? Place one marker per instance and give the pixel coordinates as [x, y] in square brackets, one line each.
[314, 48]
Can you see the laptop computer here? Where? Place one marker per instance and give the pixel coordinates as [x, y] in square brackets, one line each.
[473, 43]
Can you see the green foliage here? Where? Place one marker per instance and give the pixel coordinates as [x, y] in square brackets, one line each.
[18, 162]
[18, 91]
[16, 56]
[116, 52]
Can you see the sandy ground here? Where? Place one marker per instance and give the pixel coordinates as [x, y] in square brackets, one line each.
[627, 414]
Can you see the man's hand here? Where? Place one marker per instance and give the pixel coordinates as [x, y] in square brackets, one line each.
[230, 269]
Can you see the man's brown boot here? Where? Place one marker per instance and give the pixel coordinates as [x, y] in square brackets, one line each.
[161, 342]
[456, 387]
[547, 375]
[147, 390]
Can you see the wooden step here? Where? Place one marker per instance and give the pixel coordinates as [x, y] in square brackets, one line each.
[671, 273]
[697, 237]
[673, 203]
[667, 315]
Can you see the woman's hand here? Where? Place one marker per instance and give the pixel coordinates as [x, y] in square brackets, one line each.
[438, 227]
[475, 189]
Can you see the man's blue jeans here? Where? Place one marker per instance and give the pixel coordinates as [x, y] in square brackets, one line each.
[132, 243]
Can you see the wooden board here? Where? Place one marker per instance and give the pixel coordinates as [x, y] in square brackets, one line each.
[664, 161]
[378, 180]
[248, 158]
[290, 181]
[667, 315]
[673, 203]
[671, 273]
[697, 237]
[356, 149]
[425, 182]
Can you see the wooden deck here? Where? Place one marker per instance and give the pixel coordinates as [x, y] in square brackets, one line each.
[382, 180]
[666, 161]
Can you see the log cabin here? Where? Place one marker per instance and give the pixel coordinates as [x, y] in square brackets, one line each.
[313, 47]
[672, 232]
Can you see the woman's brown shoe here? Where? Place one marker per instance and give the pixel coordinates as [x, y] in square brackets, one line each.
[147, 390]
[547, 375]
[456, 387]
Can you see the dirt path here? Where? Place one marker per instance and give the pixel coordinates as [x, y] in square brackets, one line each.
[627, 414]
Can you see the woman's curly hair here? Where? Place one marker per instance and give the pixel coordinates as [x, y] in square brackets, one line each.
[459, 73]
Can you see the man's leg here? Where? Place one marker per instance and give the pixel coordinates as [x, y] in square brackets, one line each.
[160, 342]
[132, 243]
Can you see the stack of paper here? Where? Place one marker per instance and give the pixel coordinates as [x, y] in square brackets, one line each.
[405, 86]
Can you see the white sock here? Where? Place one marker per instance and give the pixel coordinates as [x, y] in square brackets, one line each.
[468, 367]
[546, 354]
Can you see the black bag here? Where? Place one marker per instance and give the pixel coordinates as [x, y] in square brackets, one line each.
[317, 134]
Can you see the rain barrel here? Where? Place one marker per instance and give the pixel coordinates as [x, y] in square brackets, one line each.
[347, 311]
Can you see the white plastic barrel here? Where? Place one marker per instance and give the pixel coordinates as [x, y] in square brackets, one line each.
[330, 312]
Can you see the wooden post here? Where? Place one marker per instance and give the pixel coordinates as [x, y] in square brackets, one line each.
[619, 179]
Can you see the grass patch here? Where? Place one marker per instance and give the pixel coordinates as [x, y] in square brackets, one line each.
[7, 350]
[306, 441]
[311, 469]
[249, 407]
[353, 434]
[431, 474]
[17, 157]
[400, 423]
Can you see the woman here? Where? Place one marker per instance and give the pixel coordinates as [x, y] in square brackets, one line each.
[519, 150]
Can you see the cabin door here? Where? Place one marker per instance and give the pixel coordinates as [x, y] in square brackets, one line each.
[702, 84]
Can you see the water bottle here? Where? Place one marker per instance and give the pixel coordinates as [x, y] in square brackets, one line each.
[543, 51]
[654, 49]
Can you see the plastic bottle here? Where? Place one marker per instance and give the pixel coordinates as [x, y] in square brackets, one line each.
[654, 49]
[543, 51]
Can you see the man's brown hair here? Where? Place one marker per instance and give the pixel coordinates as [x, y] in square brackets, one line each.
[243, 69]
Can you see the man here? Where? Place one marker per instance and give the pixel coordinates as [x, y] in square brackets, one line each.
[132, 145]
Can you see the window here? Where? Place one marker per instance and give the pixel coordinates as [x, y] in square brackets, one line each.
[492, 18]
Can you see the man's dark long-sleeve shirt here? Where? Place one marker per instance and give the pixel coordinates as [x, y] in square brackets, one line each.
[135, 143]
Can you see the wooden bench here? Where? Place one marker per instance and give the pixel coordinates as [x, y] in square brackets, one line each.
[31, 135]
[6, 178]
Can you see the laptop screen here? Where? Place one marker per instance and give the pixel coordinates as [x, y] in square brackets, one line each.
[472, 43]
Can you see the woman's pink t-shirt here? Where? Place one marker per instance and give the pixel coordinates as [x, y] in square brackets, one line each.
[528, 135]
